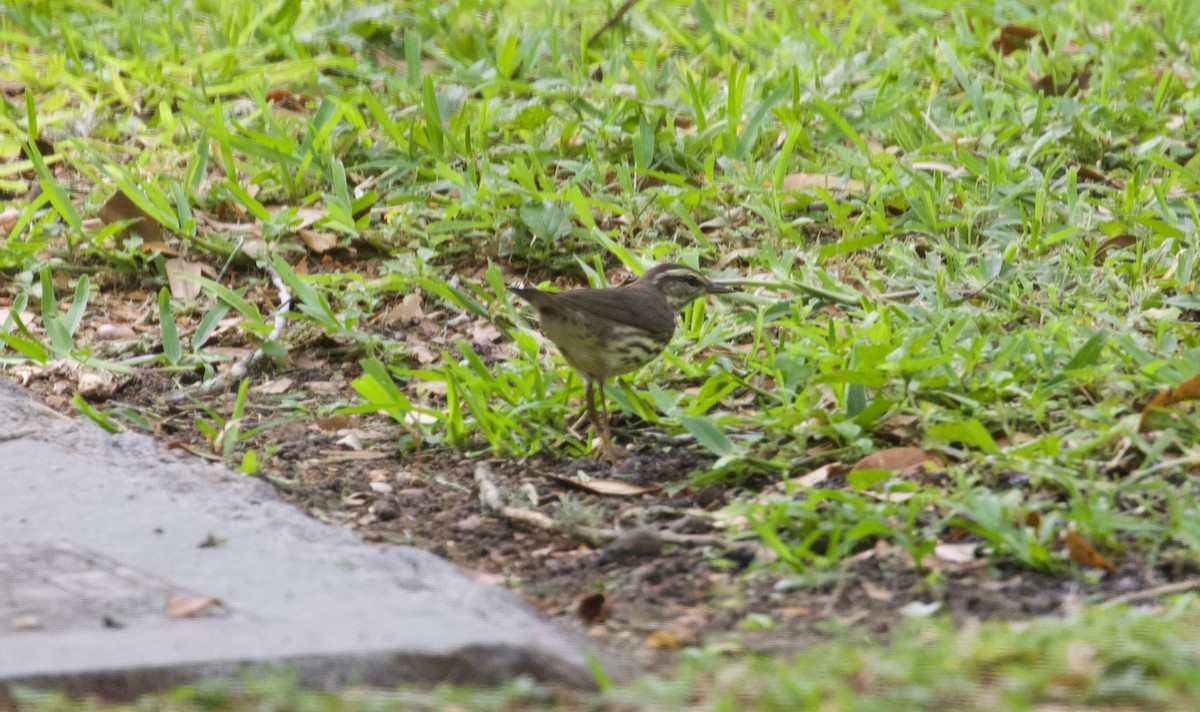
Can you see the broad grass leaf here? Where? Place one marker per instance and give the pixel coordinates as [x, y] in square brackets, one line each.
[1089, 353]
[545, 220]
[968, 432]
[707, 434]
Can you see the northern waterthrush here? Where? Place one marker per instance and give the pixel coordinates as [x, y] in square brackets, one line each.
[608, 332]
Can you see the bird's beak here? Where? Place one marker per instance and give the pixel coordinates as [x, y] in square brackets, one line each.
[718, 288]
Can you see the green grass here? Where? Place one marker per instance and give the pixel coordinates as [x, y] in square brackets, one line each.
[921, 231]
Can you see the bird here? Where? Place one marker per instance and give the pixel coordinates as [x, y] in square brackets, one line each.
[609, 332]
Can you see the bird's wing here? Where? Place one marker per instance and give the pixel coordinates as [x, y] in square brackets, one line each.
[648, 311]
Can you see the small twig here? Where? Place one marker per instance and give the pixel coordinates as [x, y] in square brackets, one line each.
[616, 17]
[240, 369]
[489, 496]
[1149, 593]
[836, 595]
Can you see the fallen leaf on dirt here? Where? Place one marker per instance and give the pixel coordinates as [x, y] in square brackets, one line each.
[1047, 85]
[956, 553]
[615, 488]
[287, 101]
[804, 181]
[1083, 551]
[662, 640]
[333, 422]
[1013, 38]
[1116, 242]
[485, 332]
[95, 385]
[407, 313]
[416, 417]
[107, 332]
[1189, 390]
[318, 242]
[185, 290]
[892, 497]
[119, 207]
[903, 461]
[817, 476]
[274, 387]
[875, 593]
[592, 609]
[8, 218]
[189, 606]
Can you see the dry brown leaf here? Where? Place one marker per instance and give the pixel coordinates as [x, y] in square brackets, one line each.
[662, 640]
[903, 461]
[189, 606]
[8, 218]
[485, 332]
[901, 429]
[333, 422]
[1046, 84]
[1189, 390]
[185, 290]
[817, 476]
[96, 385]
[119, 207]
[309, 216]
[892, 497]
[876, 593]
[804, 181]
[288, 102]
[956, 553]
[107, 332]
[1013, 38]
[614, 488]
[275, 387]
[1083, 551]
[406, 313]
[318, 242]
[592, 609]
[1116, 242]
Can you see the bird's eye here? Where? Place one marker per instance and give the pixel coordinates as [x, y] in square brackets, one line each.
[693, 280]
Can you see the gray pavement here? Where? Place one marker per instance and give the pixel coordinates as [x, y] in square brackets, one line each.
[98, 532]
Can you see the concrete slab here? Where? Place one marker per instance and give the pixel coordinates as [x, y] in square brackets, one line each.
[99, 532]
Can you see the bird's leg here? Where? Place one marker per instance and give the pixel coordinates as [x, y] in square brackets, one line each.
[606, 451]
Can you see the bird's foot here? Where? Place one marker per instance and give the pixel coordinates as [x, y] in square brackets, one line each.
[607, 452]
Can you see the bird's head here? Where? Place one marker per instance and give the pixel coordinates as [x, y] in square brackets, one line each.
[679, 285]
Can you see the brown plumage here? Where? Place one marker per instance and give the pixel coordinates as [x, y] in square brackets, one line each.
[608, 332]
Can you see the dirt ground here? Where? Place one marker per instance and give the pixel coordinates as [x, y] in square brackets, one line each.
[637, 594]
